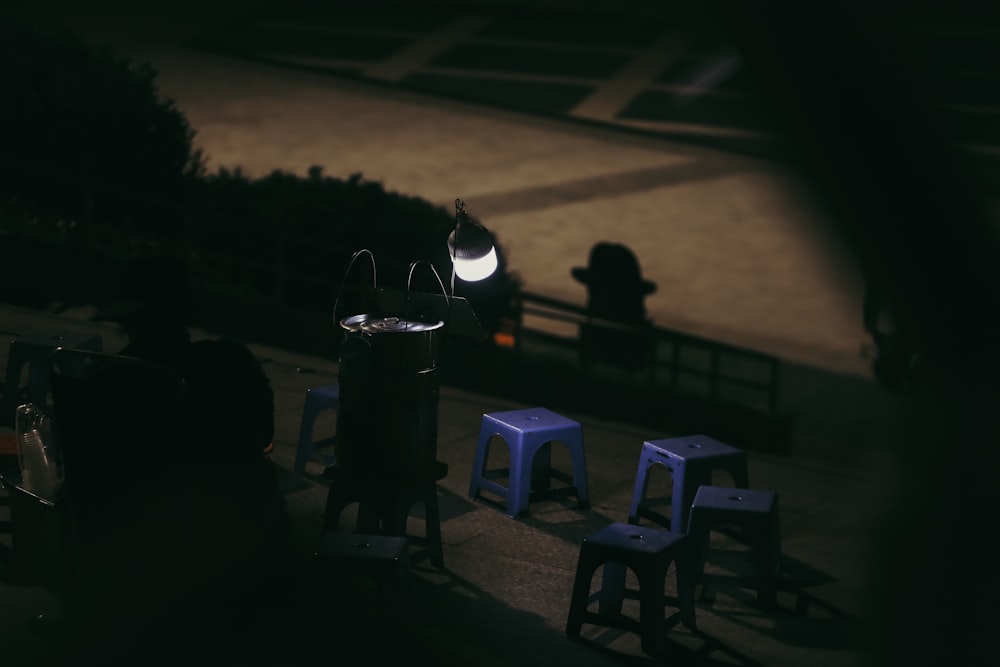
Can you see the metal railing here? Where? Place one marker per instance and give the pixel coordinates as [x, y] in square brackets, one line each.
[678, 362]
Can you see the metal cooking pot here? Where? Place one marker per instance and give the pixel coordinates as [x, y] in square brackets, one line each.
[389, 386]
[398, 345]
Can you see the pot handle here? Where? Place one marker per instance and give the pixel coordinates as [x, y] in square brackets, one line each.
[350, 264]
[409, 279]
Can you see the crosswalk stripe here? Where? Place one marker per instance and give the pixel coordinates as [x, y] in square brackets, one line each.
[613, 94]
[425, 48]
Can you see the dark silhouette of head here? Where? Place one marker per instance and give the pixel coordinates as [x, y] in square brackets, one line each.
[153, 289]
[154, 305]
[615, 286]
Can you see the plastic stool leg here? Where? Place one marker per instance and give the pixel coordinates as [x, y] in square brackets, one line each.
[479, 464]
[317, 400]
[580, 475]
[304, 449]
[639, 490]
[519, 489]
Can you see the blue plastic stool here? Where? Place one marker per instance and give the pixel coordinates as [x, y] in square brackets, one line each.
[754, 513]
[32, 350]
[528, 434]
[382, 559]
[648, 551]
[318, 399]
[384, 505]
[691, 461]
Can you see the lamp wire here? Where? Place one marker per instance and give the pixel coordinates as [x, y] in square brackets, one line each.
[459, 212]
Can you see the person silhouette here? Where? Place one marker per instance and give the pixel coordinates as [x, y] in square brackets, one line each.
[153, 305]
[229, 480]
[231, 400]
[616, 293]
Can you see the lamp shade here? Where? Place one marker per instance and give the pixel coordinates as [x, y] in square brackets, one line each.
[471, 248]
[472, 269]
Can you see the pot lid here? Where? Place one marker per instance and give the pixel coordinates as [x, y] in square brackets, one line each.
[373, 325]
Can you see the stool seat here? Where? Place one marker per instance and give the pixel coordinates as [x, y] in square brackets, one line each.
[648, 552]
[528, 434]
[754, 513]
[343, 558]
[385, 505]
[691, 460]
[32, 350]
[318, 399]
